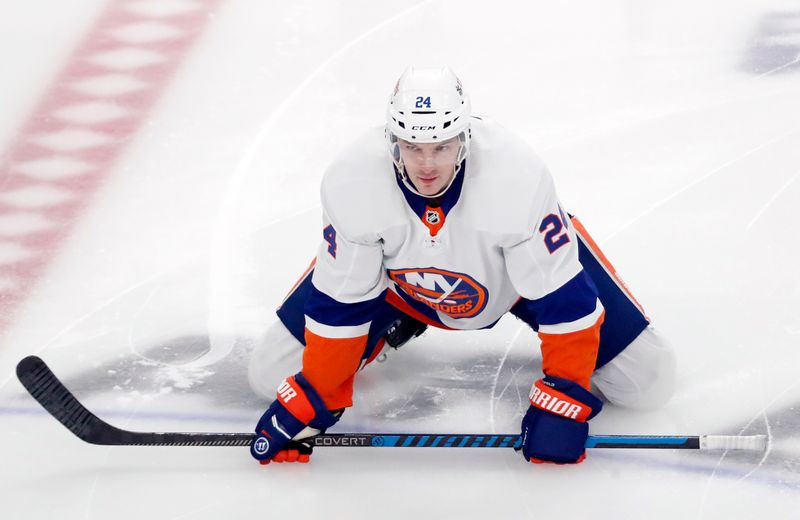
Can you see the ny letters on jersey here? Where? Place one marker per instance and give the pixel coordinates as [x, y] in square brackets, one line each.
[457, 295]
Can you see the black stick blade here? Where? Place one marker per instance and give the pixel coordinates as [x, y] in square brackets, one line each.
[46, 388]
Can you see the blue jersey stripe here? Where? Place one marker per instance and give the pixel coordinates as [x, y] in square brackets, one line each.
[572, 301]
[323, 309]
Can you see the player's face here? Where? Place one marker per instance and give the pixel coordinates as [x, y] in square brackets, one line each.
[430, 166]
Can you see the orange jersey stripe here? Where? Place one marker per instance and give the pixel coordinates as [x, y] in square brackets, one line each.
[329, 364]
[595, 249]
[572, 355]
[399, 303]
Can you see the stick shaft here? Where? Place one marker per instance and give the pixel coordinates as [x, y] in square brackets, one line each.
[490, 440]
[48, 390]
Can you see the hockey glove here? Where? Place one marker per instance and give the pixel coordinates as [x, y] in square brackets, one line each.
[297, 413]
[403, 330]
[554, 430]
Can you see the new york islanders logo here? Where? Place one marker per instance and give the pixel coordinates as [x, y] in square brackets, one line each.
[456, 294]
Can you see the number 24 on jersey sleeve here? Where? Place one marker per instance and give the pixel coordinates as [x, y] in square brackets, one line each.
[555, 232]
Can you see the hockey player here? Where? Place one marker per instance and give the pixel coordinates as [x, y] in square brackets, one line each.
[455, 226]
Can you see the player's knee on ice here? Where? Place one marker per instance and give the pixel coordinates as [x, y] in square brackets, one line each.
[276, 355]
[642, 376]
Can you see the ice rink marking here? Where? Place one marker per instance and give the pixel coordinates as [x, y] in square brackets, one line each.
[496, 379]
[699, 180]
[761, 413]
[80, 127]
[771, 201]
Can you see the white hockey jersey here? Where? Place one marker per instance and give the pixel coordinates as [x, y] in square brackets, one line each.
[497, 238]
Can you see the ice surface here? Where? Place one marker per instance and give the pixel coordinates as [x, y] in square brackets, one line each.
[672, 130]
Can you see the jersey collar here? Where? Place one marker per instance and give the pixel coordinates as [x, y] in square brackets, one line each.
[446, 201]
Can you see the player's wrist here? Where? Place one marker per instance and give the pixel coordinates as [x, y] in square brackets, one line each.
[323, 417]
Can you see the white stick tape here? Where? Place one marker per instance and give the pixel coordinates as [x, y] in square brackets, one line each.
[733, 442]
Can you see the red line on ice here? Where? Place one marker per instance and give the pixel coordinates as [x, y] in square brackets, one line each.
[80, 128]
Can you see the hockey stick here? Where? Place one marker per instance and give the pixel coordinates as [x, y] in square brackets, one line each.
[46, 388]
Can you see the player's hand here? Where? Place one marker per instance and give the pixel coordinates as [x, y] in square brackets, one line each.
[554, 430]
[294, 451]
[297, 413]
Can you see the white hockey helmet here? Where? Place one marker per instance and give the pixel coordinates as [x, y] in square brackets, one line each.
[428, 105]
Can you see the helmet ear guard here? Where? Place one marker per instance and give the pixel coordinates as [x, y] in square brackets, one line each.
[428, 105]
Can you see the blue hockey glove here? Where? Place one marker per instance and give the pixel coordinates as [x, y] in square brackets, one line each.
[297, 407]
[554, 430]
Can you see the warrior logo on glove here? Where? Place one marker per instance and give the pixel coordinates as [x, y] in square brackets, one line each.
[261, 445]
[555, 402]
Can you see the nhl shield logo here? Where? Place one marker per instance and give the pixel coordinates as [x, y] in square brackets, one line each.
[455, 294]
[432, 216]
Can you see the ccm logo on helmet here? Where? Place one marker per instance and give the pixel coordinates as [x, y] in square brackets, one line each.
[423, 128]
[456, 294]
